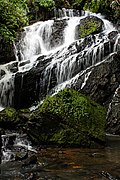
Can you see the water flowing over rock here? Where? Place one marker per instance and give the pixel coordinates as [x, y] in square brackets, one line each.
[57, 66]
[113, 117]
[100, 81]
[15, 147]
[53, 54]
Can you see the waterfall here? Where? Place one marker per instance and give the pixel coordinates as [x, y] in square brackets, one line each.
[6, 86]
[70, 30]
[56, 45]
[61, 13]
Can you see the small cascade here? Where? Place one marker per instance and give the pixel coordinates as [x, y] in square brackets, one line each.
[6, 86]
[117, 43]
[14, 144]
[69, 36]
[35, 41]
[61, 13]
[77, 58]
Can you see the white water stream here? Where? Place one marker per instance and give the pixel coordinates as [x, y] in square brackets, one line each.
[13, 144]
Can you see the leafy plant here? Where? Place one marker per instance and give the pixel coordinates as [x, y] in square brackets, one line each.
[12, 17]
[49, 4]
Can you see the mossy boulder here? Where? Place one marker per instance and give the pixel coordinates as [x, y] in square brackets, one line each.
[90, 25]
[8, 118]
[68, 118]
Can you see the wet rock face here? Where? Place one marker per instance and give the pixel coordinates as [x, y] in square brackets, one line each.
[101, 81]
[26, 89]
[35, 84]
[57, 36]
[6, 52]
[113, 118]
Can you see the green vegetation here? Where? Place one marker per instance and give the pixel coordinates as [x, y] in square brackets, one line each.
[90, 25]
[94, 5]
[68, 118]
[8, 118]
[14, 14]
[87, 29]
[47, 4]
[12, 17]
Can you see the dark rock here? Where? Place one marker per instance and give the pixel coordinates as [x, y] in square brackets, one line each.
[26, 88]
[8, 118]
[101, 81]
[113, 117]
[19, 156]
[57, 36]
[2, 73]
[6, 51]
[13, 67]
[30, 160]
[24, 62]
[89, 25]
[112, 34]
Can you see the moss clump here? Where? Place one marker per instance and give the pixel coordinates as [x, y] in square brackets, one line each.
[88, 28]
[68, 118]
[90, 25]
[8, 118]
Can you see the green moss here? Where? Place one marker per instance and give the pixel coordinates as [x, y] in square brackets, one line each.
[88, 28]
[8, 118]
[68, 118]
[10, 112]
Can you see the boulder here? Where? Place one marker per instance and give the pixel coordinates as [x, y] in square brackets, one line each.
[89, 25]
[69, 119]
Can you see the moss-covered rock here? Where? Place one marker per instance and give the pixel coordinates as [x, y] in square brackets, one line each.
[68, 118]
[90, 25]
[8, 118]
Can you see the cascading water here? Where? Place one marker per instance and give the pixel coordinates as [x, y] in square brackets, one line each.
[55, 44]
[6, 86]
[12, 143]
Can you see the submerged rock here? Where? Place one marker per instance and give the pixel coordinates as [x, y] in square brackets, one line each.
[69, 119]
